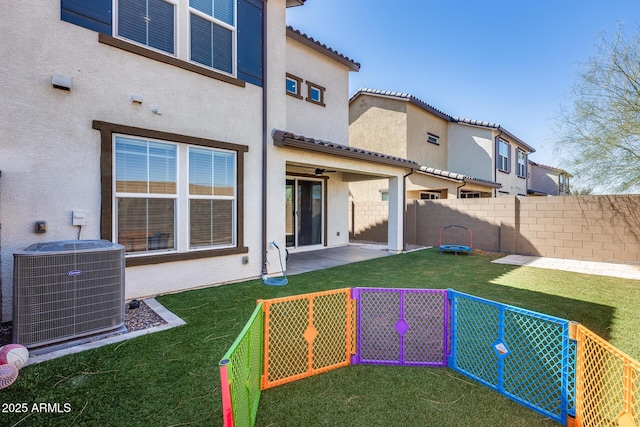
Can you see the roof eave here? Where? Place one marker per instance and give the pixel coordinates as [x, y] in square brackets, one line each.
[286, 139]
[325, 50]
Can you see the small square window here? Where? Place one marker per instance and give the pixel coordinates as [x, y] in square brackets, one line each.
[315, 93]
[293, 86]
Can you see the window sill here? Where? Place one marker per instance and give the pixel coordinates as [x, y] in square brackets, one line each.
[174, 257]
[166, 59]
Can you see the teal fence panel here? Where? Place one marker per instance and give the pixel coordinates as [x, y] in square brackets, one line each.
[521, 354]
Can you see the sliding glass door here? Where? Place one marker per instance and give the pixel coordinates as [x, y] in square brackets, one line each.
[304, 212]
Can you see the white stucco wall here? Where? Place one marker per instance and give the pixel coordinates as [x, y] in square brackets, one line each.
[49, 156]
[330, 122]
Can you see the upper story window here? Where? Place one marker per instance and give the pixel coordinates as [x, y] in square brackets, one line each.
[213, 33]
[521, 164]
[315, 93]
[294, 84]
[563, 183]
[432, 138]
[503, 162]
[148, 22]
[212, 28]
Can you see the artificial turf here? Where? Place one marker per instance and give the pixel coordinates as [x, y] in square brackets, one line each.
[171, 378]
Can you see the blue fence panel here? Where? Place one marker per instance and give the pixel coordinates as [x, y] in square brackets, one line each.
[522, 354]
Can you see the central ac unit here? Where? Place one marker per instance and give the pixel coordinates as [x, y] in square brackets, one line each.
[67, 290]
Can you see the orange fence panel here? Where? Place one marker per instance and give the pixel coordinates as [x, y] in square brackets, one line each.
[306, 335]
[607, 384]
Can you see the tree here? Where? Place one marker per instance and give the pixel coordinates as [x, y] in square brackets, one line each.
[599, 137]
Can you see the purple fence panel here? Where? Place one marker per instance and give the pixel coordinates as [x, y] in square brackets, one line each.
[402, 326]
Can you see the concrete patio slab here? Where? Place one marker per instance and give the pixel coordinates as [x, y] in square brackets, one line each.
[624, 271]
[302, 262]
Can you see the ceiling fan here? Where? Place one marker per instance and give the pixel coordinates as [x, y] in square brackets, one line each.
[321, 171]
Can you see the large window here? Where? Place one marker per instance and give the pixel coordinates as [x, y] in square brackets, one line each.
[148, 22]
[150, 187]
[522, 164]
[211, 32]
[503, 156]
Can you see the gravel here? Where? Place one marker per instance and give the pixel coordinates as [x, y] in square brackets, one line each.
[134, 320]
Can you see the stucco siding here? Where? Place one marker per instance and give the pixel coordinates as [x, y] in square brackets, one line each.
[419, 125]
[328, 122]
[471, 151]
[50, 155]
[379, 124]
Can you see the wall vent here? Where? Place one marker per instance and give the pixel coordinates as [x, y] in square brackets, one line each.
[66, 290]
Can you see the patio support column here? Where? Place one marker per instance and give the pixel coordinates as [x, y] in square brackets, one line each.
[396, 214]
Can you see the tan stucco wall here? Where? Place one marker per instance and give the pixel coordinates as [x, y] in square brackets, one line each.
[419, 124]
[379, 124]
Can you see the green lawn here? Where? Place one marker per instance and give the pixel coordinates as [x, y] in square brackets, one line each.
[171, 378]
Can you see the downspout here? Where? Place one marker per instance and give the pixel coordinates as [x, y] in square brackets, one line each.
[264, 140]
[404, 210]
[496, 150]
[459, 187]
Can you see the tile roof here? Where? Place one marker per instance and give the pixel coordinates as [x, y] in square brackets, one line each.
[458, 177]
[401, 95]
[551, 168]
[445, 116]
[496, 126]
[322, 48]
[283, 138]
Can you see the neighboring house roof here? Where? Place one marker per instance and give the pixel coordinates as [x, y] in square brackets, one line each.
[458, 177]
[283, 138]
[551, 168]
[291, 3]
[322, 48]
[435, 111]
[497, 127]
[402, 96]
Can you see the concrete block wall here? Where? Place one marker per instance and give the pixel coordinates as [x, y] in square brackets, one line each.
[587, 228]
[369, 221]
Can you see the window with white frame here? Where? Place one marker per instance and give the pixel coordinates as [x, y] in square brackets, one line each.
[148, 22]
[213, 33]
[521, 164]
[212, 28]
[429, 195]
[315, 93]
[503, 155]
[294, 85]
[152, 191]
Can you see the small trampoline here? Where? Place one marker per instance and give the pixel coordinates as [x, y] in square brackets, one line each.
[458, 235]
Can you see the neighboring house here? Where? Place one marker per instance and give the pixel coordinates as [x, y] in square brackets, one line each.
[460, 158]
[174, 128]
[547, 181]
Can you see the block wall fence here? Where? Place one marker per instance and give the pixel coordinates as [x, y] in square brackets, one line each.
[586, 228]
[553, 366]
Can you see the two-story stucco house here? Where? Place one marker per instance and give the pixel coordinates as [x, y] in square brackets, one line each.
[194, 133]
[547, 181]
[459, 158]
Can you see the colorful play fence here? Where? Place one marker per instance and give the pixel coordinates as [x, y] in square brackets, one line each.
[555, 367]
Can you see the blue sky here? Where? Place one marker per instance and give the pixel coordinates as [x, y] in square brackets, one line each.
[508, 62]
